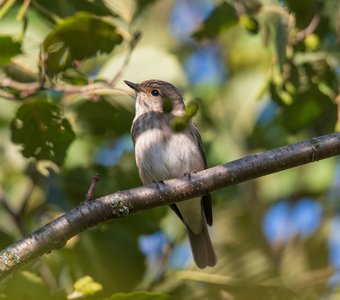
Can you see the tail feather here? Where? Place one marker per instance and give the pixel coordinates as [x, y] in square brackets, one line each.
[202, 248]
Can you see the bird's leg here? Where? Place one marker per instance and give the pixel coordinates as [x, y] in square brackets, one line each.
[188, 174]
[161, 182]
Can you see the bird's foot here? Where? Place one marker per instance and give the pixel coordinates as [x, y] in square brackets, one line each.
[188, 174]
[161, 182]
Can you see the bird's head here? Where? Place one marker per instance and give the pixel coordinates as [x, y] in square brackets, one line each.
[157, 95]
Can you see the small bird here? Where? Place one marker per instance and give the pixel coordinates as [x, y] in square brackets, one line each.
[162, 154]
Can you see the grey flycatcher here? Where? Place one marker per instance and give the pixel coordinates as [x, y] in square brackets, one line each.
[162, 154]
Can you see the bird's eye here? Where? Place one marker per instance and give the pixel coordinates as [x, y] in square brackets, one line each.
[155, 93]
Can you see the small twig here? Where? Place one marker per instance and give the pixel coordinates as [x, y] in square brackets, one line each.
[239, 8]
[47, 274]
[5, 95]
[127, 58]
[47, 13]
[302, 34]
[23, 10]
[28, 89]
[89, 194]
[6, 7]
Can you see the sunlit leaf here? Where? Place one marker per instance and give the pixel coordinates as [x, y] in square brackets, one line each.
[87, 286]
[42, 131]
[192, 109]
[8, 49]
[312, 42]
[249, 23]
[75, 38]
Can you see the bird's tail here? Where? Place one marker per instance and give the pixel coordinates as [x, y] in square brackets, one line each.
[202, 248]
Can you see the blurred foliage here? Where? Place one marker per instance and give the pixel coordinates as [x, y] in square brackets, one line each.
[266, 73]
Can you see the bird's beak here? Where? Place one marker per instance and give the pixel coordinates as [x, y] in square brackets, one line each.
[132, 85]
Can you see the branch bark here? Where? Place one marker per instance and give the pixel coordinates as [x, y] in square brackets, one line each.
[90, 213]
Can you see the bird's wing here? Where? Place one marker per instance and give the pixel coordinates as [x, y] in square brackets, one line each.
[206, 199]
[196, 136]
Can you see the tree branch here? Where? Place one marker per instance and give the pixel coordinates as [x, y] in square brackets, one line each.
[90, 213]
[302, 34]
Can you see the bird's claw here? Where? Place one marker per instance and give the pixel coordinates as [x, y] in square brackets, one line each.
[189, 174]
[161, 182]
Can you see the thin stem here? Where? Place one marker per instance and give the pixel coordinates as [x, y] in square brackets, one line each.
[23, 10]
[6, 7]
[89, 194]
[45, 12]
[127, 58]
[302, 34]
[29, 89]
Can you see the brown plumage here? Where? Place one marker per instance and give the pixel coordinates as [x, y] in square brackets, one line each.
[163, 154]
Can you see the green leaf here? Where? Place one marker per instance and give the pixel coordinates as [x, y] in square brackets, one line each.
[76, 38]
[167, 105]
[87, 286]
[249, 23]
[8, 49]
[42, 131]
[140, 295]
[192, 109]
[178, 124]
[223, 17]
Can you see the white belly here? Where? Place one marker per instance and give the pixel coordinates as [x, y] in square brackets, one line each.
[161, 158]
